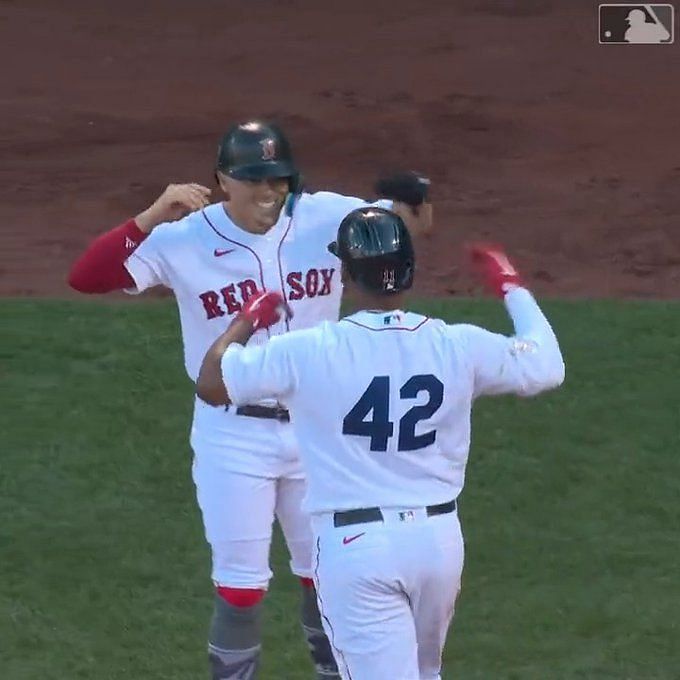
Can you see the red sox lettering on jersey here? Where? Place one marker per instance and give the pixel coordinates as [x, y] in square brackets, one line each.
[231, 298]
[213, 267]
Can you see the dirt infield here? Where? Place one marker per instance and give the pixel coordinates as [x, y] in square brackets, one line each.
[534, 135]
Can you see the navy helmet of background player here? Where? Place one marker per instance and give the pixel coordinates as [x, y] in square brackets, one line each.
[255, 150]
[255, 161]
[257, 172]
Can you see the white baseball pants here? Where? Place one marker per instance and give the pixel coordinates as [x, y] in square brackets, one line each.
[387, 592]
[247, 473]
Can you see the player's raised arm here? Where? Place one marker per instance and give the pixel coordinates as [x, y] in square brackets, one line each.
[526, 364]
[214, 386]
[101, 268]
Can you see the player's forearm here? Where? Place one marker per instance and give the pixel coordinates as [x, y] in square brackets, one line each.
[210, 385]
[537, 349]
[101, 268]
[150, 218]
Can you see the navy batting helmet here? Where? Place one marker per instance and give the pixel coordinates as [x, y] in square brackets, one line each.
[376, 248]
[255, 150]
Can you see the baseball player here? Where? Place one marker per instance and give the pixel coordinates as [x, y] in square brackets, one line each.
[381, 401]
[267, 235]
[639, 31]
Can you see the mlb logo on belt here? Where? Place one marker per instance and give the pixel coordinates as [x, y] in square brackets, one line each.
[629, 24]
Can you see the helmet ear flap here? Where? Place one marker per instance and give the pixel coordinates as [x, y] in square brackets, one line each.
[295, 188]
[216, 174]
[296, 183]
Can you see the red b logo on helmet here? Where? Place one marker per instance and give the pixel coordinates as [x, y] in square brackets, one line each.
[268, 149]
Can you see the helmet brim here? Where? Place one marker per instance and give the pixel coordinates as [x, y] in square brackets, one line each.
[265, 170]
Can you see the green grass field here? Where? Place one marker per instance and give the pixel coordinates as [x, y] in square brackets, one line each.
[571, 510]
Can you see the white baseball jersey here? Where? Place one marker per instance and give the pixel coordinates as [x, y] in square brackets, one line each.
[381, 401]
[214, 266]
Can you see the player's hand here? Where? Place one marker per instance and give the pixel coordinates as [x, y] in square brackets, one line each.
[174, 203]
[493, 266]
[265, 309]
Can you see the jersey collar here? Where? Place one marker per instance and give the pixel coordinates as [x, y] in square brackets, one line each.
[376, 319]
[224, 226]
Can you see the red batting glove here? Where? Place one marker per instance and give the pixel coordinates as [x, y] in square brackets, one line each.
[265, 309]
[493, 265]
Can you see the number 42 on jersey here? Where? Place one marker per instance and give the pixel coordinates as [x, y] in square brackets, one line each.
[380, 428]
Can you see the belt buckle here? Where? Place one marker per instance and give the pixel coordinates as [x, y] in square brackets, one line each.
[407, 516]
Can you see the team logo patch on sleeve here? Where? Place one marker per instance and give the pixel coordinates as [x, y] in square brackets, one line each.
[523, 347]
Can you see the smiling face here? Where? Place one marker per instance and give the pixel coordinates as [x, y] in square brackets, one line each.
[254, 205]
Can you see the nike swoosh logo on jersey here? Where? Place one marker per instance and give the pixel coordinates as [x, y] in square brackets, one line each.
[218, 253]
[349, 539]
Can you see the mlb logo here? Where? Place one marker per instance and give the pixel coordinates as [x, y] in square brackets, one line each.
[629, 24]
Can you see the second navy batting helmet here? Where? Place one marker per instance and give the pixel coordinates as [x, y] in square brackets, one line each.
[376, 248]
[255, 150]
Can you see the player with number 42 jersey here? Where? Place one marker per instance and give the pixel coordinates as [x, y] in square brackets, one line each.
[381, 403]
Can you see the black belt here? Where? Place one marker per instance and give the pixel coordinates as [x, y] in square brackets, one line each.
[255, 411]
[362, 515]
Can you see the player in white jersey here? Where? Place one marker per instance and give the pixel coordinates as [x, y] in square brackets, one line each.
[381, 402]
[267, 235]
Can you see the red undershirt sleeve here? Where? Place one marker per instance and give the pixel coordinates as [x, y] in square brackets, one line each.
[101, 268]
